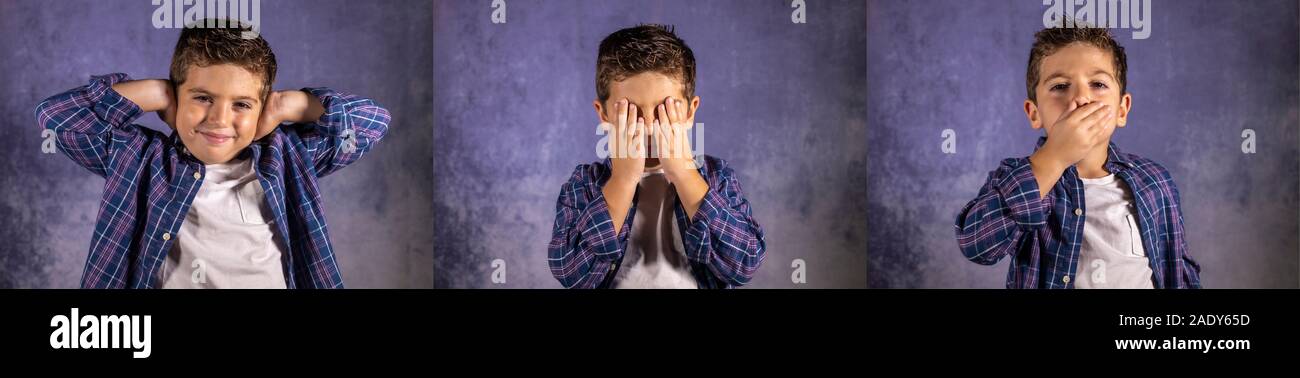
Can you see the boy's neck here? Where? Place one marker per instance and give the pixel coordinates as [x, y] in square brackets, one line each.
[1094, 165]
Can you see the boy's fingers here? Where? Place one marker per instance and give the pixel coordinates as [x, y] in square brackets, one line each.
[621, 110]
[671, 105]
[1083, 112]
[657, 134]
[1095, 118]
[632, 113]
[640, 137]
[661, 114]
[1105, 124]
[669, 141]
[646, 134]
[629, 142]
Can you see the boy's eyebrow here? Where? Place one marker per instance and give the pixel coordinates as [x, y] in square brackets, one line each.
[249, 98]
[1094, 73]
[204, 91]
[1103, 72]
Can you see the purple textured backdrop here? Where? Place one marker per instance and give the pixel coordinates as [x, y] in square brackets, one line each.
[377, 208]
[1208, 70]
[782, 102]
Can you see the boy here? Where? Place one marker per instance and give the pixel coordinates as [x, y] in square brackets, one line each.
[647, 217]
[1078, 212]
[229, 199]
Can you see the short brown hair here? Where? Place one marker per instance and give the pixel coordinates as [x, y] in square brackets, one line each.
[1047, 41]
[644, 48]
[223, 42]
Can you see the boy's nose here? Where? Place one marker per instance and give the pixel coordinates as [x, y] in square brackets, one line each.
[219, 115]
[1082, 99]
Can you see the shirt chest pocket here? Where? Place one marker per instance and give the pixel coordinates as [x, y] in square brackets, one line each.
[1134, 237]
[253, 208]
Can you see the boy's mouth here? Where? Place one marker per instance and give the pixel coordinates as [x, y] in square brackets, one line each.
[214, 137]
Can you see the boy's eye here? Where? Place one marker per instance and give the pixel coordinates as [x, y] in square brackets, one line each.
[1099, 85]
[1060, 87]
[243, 105]
[203, 98]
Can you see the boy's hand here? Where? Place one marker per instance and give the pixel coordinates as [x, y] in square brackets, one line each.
[1078, 131]
[671, 127]
[671, 139]
[168, 113]
[152, 95]
[287, 106]
[627, 164]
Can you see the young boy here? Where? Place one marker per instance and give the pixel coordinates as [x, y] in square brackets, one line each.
[229, 199]
[1078, 212]
[648, 217]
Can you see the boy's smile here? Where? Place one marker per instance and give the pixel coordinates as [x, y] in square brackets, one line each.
[217, 111]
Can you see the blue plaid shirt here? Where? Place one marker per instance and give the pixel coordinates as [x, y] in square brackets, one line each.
[1043, 236]
[151, 180]
[724, 244]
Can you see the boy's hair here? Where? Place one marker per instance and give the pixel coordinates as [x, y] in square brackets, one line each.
[1048, 40]
[223, 42]
[644, 48]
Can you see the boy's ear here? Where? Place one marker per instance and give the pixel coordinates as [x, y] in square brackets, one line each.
[1125, 103]
[1031, 111]
[695, 105]
[600, 111]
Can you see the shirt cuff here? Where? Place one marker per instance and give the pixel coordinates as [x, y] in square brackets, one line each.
[1019, 190]
[108, 105]
[711, 210]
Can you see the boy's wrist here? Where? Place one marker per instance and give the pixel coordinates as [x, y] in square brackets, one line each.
[290, 106]
[680, 170]
[1047, 170]
[1044, 161]
[314, 108]
[150, 95]
[619, 181]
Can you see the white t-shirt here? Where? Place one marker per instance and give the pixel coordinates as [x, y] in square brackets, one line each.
[1112, 256]
[227, 239]
[655, 257]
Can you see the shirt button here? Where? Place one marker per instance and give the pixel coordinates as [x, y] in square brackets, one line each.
[197, 176]
[167, 236]
[1077, 212]
[1065, 279]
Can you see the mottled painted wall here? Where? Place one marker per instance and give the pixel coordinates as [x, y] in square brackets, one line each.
[1208, 70]
[782, 102]
[378, 209]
